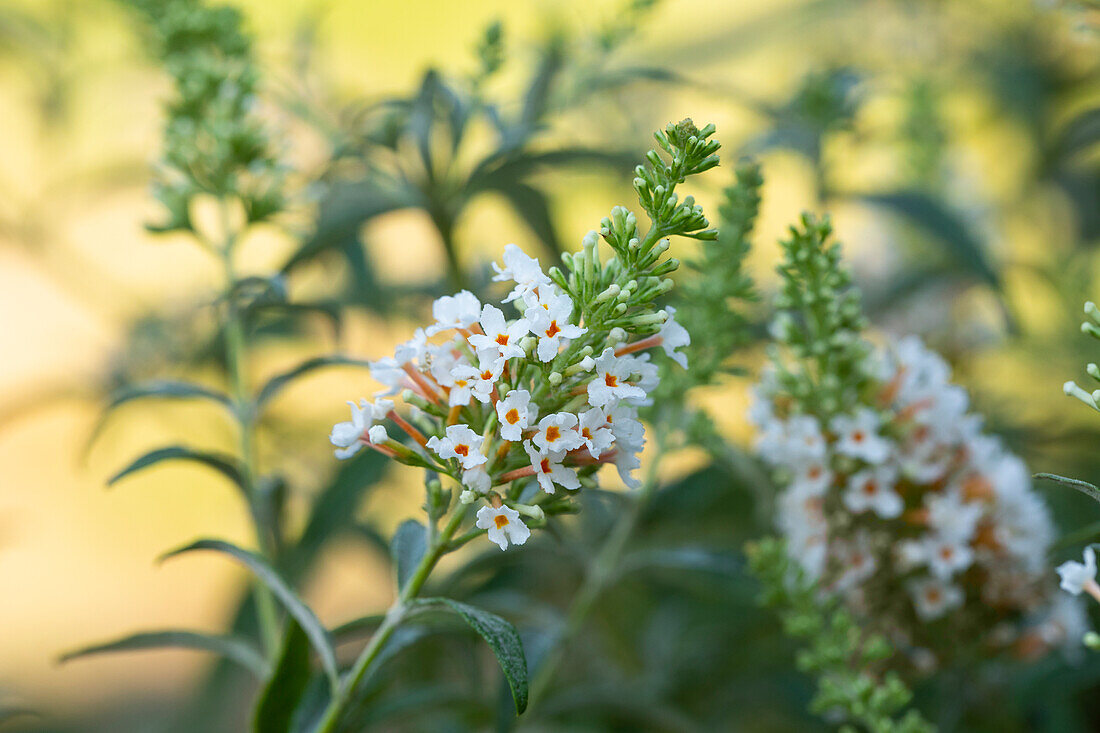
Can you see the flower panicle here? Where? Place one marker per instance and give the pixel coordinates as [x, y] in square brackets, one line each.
[522, 400]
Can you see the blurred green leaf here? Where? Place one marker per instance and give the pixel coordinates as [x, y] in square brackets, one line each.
[280, 381]
[932, 216]
[1084, 487]
[224, 464]
[1079, 134]
[407, 549]
[280, 696]
[697, 559]
[233, 648]
[294, 605]
[501, 637]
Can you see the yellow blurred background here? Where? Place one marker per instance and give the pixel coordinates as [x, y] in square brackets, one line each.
[81, 122]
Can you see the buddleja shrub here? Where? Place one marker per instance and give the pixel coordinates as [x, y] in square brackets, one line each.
[921, 531]
[509, 415]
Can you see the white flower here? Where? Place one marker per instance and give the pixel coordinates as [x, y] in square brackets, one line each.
[933, 598]
[873, 489]
[1075, 576]
[857, 436]
[649, 376]
[480, 381]
[498, 336]
[521, 269]
[798, 440]
[504, 525]
[460, 442]
[347, 436]
[626, 462]
[610, 385]
[377, 434]
[595, 431]
[442, 360]
[558, 433]
[460, 310]
[516, 414]
[813, 476]
[946, 556]
[549, 471]
[673, 336]
[857, 562]
[952, 517]
[413, 350]
[549, 319]
[627, 430]
[477, 479]
[387, 371]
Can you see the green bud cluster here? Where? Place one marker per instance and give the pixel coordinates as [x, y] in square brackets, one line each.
[820, 323]
[709, 304]
[1090, 327]
[214, 141]
[845, 659]
[620, 293]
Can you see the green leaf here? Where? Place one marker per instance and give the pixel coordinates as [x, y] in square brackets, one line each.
[932, 216]
[162, 389]
[500, 635]
[279, 699]
[8, 714]
[357, 627]
[297, 608]
[1084, 487]
[280, 381]
[407, 549]
[227, 465]
[232, 648]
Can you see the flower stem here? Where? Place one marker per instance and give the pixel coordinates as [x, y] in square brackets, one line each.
[600, 574]
[393, 618]
[236, 354]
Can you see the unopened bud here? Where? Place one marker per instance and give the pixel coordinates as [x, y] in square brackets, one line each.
[554, 378]
[530, 510]
[467, 497]
[616, 336]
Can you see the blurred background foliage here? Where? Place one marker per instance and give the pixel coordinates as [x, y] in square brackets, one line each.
[955, 144]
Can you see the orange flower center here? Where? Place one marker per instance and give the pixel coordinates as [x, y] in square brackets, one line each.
[932, 595]
[870, 487]
[611, 380]
[500, 521]
[502, 339]
[586, 433]
[462, 449]
[512, 416]
[552, 433]
[544, 464]
[857, 436]
[461, 382]
[486, 375]
[553, 330]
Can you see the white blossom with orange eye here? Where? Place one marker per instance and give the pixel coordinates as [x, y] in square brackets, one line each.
[477, 479]
[459, 442]
[622, 421]
[674, 336]
[1076, 577]
[857, 436]
[946, 556]
[933, 597]
[387, 371]
[523, 270]
[549, 313]
[503, 524]
[482, 379]
[595, 431]
[516, 414]
[549, 469]
[460, 310]
[557, 433]
[610, 384]
[499, 337]
[873, 490]
[813, 476]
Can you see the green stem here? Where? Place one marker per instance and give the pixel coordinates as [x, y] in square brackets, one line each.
[393, 618]
[236, 354]
[600, 574]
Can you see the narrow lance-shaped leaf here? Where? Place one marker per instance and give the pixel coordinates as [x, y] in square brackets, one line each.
[297, 608]
[232, 648]
[162, 389]
[279, 381]
[1084, 487]
[224, 464]
[280, 696]
[407, 549]
[500, 635]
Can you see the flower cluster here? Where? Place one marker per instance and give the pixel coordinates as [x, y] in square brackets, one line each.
[895, 499]
[552, 392]
[495, 399]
